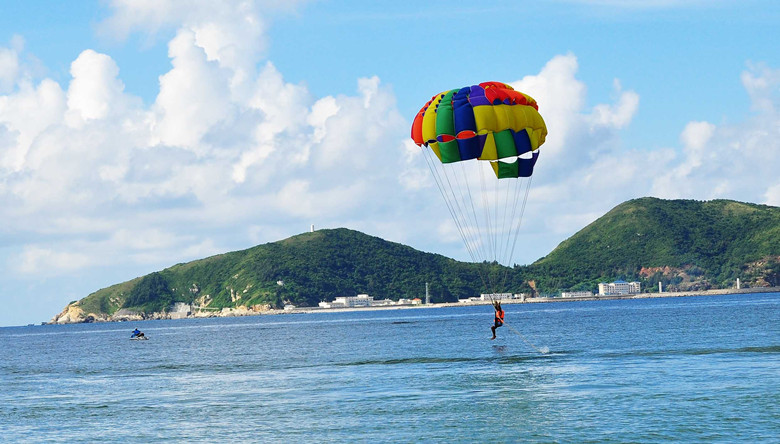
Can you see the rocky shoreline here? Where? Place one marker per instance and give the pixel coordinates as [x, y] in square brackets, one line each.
[73, 314]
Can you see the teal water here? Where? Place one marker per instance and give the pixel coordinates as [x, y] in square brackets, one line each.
[695, 369]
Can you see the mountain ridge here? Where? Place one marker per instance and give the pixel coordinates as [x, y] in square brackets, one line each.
[683, 244]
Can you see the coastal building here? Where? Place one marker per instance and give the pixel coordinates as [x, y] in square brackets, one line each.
[361, 300]
[496, 296]
[180, 310]
[576, 294]
[618, 288]
[493, 297]
[382, 302]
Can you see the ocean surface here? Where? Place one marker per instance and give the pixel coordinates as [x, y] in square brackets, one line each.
[691, 369]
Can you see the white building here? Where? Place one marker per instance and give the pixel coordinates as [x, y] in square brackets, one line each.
[577, 294]
[618, 288]
[361, 300]
[496, 296]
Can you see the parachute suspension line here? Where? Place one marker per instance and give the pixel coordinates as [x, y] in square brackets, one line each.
[480, 239]
[504, 231]
[544, 352]
[486, 228]
[515, 218]
[505, 236]
[519, 220]
[508, 252]
[489, 199]
[473, 220]
[452, 205]
[497, 235]
[514, 228]
[522, 212]
[490, 234]
[463, 207]
[496, 203]
[440, 184]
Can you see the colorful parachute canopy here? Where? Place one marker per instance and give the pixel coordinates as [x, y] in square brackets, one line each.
[490, 121]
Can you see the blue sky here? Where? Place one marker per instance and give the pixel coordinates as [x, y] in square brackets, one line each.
[137, 135]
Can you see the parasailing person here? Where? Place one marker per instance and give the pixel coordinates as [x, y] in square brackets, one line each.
[499, 320]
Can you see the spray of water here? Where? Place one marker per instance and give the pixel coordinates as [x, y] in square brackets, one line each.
[543, 350]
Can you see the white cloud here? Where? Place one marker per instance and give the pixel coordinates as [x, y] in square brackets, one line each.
[95, 90]
[40, 260]
[231, 33]
[297, 198]
[763, 86]
[583, 170]
[92, 169]
[193, 95]
[772, 195]
[231, 153]
[9, 69]
[560, 97]
[731, 161]
[357, 135]
[619, 115]
[26, 114]
[575, 136]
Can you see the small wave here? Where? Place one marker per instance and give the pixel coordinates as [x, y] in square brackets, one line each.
[693, 351]
[417, 360]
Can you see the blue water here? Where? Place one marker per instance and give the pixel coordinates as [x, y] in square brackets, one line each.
[695, 369]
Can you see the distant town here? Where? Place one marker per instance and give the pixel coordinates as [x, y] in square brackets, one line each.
[617, 288]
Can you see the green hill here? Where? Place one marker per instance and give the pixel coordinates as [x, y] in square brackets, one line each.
[304, 270]
[685, 244]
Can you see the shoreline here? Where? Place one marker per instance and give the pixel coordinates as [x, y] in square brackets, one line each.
[536, 300]
[82, 318]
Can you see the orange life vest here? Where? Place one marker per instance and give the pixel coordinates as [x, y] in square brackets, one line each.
[500, 315]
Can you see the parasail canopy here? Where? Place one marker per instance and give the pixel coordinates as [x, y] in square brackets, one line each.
[481, 143]
[490, 121]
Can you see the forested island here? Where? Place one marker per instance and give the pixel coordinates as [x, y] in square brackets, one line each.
[682, 244]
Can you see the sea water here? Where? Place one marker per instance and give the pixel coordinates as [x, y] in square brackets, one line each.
[693, 369]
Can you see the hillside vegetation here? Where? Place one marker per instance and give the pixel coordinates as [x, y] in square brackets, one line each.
[303, 270]
[684, 244]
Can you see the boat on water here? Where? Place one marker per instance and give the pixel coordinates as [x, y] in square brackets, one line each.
[139, 338]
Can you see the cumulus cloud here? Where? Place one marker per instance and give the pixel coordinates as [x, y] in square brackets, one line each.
[193, 95]
[26, 114]
[231, 33]
[230, 152]
[92, 168]
[733, 161]
[577, 135]
[730, 161]
[95, 89]
[9, 67]
[584, 170]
